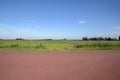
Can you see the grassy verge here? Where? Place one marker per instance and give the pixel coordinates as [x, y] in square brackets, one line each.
[58, 45]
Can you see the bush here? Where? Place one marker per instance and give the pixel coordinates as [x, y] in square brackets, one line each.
[43, 46]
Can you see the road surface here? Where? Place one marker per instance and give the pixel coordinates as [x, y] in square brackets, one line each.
[60, 65]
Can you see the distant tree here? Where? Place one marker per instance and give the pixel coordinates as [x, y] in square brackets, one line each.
[64, 39]
[108, 39]
[115, 39]
[18, 39]
[84, 38]
[94, 39]
[119, 38]
[105, 38]
[100, 38]
[49, 39]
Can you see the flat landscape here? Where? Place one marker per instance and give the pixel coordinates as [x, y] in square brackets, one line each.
[60, 65]
[58, 45]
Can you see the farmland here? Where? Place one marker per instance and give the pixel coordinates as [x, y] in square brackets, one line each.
[58, 45]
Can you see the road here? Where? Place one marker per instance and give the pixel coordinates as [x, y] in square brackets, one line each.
[60, 65]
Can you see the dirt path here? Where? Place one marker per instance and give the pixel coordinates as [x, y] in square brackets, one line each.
[60, 65]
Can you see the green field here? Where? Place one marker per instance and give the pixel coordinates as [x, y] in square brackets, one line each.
[58, 45]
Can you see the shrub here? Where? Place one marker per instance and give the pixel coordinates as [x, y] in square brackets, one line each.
[43, 46]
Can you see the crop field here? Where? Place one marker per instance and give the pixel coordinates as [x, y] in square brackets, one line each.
[58, 45]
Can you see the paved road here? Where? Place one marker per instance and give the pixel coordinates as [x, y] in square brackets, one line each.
[60, 65]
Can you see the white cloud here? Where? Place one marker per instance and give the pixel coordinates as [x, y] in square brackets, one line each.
[82, 22]
[113, 34]
[31, 21]
[116, 28]
[14, 31]
[6, 31]
[5, 26]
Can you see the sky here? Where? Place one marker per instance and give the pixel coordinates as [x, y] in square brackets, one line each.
[58, 19]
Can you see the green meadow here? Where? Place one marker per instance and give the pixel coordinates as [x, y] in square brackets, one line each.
[58, 45]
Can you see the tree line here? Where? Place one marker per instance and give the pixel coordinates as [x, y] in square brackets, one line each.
[100, 38]
[83, 38]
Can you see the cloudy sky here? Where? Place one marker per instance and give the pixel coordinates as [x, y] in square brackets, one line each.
[72, 19]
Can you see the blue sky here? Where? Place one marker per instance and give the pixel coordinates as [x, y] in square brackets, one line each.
[56, 19]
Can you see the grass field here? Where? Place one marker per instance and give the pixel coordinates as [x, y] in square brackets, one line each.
[58, 45]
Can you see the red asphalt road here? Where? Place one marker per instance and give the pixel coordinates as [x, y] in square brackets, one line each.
[60, 65]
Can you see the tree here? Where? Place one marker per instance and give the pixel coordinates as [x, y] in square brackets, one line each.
[100, 38]
[64, 39]
[19, 39]
[109, 39]
[94, 39]
[84, 38]
[119, 38]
